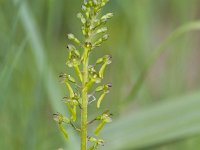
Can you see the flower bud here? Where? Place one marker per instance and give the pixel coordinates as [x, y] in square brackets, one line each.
[105, 37]
[106, 59]
[73, 38]
[101, 30]
[95, 2]
[106, 17]
[94, 75]
[59, 118]
[105, 89]
[71, 79]
[66, 77]
[74, 58]
[88, 45]
[104, 2]
[101, 40]
[84, 8]
[99, 89]
[81, 17]
[94, 140]
[105, 118]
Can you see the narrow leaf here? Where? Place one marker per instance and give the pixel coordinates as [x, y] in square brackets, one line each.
[157, 52]
[171, 120]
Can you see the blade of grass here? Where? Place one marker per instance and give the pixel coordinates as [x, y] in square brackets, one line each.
[29, 24]
[170, 120]
[174, 36]
[8, 68]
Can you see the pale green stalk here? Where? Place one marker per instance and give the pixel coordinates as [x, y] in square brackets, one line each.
[84, 105]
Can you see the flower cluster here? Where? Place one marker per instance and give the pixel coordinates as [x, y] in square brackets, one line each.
[95, 33]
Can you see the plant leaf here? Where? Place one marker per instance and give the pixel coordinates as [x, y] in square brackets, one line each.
[174, 119]
[157, 52]
[29, 23]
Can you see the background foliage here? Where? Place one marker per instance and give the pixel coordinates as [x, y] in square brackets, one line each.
[160, 113]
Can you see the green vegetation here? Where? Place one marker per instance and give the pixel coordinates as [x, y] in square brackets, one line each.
[155, 74]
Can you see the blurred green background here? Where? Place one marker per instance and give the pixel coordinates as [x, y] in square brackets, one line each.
[161, 112]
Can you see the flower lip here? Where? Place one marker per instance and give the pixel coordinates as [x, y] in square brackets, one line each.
[109, 56]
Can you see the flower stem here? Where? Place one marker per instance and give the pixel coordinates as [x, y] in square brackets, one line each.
[84, 105]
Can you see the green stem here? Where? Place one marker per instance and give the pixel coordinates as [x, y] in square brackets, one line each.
[78, 72]
[84, 105]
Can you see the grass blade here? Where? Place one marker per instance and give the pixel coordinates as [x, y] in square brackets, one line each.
[38, 48]
[174, 36]
[171, 120]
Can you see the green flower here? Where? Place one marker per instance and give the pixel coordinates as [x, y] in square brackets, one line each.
[104, 118]
[105, 89]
